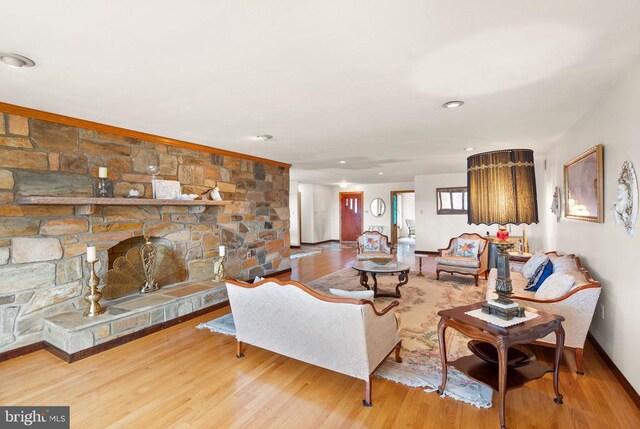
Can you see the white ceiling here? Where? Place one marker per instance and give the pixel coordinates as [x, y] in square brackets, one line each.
[361, 81]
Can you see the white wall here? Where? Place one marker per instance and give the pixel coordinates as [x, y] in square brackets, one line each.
[407, 205]
[294, 227]
[434, 231]
[325, 207]
[306, 212]
[380, 190]
[610, 255]
[319, 205]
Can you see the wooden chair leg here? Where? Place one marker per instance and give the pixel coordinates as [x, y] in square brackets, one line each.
[437, 274]
[367, 395]
[476, 278]
[239, 353]
[578, 354]
[486, 275]
[398, 347]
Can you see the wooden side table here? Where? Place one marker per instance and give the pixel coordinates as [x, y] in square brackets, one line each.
[501, 339]
[420, 257]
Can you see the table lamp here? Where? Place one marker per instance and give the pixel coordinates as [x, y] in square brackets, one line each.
[502, 190]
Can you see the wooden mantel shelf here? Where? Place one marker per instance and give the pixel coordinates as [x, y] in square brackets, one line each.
[116, 201]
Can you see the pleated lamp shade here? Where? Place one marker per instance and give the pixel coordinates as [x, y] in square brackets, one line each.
[501, 187]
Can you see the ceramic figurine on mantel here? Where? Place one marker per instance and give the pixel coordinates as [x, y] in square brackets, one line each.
[218, 265]
[215, 194]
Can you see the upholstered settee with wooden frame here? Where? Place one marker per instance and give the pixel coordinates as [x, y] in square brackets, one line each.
[449, 262]
[345, 335]
[577, 306]
[372, 244]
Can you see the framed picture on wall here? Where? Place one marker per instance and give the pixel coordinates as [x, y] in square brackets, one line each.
[584, 186]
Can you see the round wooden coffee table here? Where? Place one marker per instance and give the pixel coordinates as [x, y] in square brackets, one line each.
[366, 268]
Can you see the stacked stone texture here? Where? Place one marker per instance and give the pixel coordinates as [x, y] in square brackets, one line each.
[43, 268]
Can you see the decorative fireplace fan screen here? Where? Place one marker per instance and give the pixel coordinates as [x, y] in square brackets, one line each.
[144, 269]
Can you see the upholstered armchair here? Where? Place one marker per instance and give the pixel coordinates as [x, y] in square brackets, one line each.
[372, 244]
[467, 254]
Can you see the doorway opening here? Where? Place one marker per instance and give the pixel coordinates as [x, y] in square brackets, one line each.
[403, 217]
[350, 215]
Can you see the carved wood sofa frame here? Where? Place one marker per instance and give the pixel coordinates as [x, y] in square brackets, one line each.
[547, 304]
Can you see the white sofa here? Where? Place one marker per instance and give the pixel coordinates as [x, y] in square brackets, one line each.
[341, 334]
[577, 306]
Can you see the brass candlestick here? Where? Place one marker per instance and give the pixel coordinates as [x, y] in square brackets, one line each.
[218, 269]
[93, 296]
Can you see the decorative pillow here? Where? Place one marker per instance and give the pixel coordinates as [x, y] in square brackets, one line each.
[555, 286]
[564, 264]
[544, 270]
[529, 269]
[372, 243]
[578, 277]
[353, 294]
[467, 248]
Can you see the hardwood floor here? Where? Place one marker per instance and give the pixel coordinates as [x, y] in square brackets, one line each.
[184, 377]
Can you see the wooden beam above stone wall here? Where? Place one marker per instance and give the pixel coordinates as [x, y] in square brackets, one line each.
[96, 126]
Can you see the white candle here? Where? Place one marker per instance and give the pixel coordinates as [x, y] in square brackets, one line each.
[91, 254]
[102, 172]
[221, 250]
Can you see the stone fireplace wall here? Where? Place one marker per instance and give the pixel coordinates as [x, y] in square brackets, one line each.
[42, 247]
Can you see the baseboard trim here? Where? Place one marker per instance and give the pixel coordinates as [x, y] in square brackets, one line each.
[426, 252]
[320, 242]
[21, 351]
[74, 357]
[635, 397]
[275, 274]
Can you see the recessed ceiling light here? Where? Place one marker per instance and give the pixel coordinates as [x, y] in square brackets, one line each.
[343, 162]
[468, 149]
[343, 184]
[264, 137]
[453, 104]
[381, 172]
[15, 60]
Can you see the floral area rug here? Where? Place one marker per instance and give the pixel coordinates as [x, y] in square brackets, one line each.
[421, 300]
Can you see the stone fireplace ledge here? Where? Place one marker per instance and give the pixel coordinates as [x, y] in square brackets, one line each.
[71, 332]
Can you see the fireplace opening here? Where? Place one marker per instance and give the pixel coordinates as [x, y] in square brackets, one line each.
[141, 265]
[124, 246]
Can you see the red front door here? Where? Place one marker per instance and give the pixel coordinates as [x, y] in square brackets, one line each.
[350, 215]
